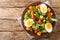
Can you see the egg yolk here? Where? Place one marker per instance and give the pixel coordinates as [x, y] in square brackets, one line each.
[43, 9]
[48, 26]
[29, 22]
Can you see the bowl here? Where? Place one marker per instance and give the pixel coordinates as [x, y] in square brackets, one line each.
[36, 3]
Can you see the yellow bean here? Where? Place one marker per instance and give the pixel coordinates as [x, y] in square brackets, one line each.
[41, 16]
[49, 9]
[42, 25]
[44, 31]
[28, 28]
[30, 7]
[39, 33]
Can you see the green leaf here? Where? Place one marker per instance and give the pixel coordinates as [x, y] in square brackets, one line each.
[35, 9]
[37, 15]
[53, 19]
[41, 28]
[47, 20]
[27, 16]
[40, 13]
[36, 26]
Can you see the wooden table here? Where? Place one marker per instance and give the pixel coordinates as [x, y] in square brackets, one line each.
[10, 10]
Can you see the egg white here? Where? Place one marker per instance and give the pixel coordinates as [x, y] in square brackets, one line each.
[26, 22]
[48, 30]
[43, 6]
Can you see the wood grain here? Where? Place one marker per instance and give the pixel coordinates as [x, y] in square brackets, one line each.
[11, 13]
[23, 3]
[14, 13]
[9, 25]
[15, 3]
[20, 36]
[57, 10]
[55, 36]
[6, 36]
[13, 36]
[57, 27]
[55, 3]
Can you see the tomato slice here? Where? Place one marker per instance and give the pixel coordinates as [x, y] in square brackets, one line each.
[35, 31]
[39, 22]
[38, 6]
[31, 10]
[49, 14]
[33, 17]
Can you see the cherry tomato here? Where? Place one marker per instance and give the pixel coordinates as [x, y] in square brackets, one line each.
[38, 6]
[31, 10]
[39, 22]
[33, 17]
[35, 31]
[49, 14]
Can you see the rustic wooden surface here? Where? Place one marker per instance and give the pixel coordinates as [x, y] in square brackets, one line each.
[10, 10]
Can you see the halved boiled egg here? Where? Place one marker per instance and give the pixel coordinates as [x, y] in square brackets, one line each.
[28, 22]
[43, 8]
[48, 27]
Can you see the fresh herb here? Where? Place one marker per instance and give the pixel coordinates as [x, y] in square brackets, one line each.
[35, 9]
[37, 15]
[36, 26]
[53, 19]
[47, 20]
[41, 28]
[27, 16]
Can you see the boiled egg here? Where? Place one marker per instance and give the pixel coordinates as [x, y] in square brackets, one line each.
[28, 22]
[43, 8]
[48, 27]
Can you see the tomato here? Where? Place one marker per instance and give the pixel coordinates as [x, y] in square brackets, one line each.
[35, 31]
[39, 22]
[49, 14]
[31, 10]
[33, 17]
[38, 6]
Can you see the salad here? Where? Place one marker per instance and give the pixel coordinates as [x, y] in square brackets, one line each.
[39, 19]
